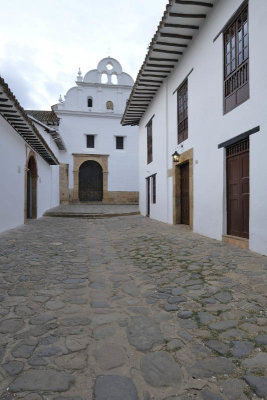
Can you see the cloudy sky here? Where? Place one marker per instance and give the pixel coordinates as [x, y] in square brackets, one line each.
[42, 43]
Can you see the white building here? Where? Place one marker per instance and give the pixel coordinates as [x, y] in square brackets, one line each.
[202, 92]
[101, 162]
[29, 165]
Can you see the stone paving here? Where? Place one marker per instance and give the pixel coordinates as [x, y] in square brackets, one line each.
[128, 308]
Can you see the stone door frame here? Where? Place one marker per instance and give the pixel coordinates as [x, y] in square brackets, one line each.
[187, 156]
[78, 160]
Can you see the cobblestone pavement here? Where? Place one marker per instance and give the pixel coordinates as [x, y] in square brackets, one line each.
[128, 308]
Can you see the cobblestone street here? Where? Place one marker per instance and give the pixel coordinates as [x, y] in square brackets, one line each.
[127, 308]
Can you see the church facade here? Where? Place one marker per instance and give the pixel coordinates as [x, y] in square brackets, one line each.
[101, 161]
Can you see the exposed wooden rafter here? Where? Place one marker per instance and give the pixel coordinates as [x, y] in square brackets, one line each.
[180, 22]
[194, 3]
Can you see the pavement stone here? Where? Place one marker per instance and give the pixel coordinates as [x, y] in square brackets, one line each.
[114, 387]
[160, 369]
[48, 380]
[258, 384]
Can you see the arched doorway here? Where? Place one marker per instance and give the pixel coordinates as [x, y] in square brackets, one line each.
[32, 188]
[90, 181]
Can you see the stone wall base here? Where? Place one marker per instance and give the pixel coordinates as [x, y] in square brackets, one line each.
[109, 198]
[121, 197]
[236, 241]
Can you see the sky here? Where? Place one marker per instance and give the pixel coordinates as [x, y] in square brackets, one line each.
[43, 43]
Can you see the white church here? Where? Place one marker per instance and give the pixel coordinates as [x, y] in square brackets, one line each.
[77, 152]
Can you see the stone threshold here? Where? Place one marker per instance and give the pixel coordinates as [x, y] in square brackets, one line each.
[236, 241]
[88, 215]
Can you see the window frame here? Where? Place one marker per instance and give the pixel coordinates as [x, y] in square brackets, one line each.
[182, 112]
[90, 99]
[87, 137]
[117, 146]
[236, 81]
[154, 189]
[149, 128]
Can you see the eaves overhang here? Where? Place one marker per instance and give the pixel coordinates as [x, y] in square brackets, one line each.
[53, 132]
[180, 23]
[14, 114]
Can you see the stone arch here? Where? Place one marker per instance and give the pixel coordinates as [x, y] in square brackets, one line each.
[78, 160]
[31, 178]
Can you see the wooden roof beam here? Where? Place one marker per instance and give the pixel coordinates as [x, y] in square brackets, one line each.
[5, 106]
[172, 44]
[8, 111]
[181, 26]
[176, 36]
[162, 59]
[180, 15]
[167, 51]
[155, 76]
[160, 65]
[194, 3]
[149, 80]
[156, 71]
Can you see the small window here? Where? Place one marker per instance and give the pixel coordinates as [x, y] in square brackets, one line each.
[90, 102]
[119, 142]
[90, 141]
[149, 142]
[182, 100]
[154, 189]
[109, 105]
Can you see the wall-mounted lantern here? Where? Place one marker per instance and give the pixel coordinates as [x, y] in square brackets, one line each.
[176, 157]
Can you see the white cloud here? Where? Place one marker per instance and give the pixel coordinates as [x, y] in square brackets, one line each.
[42, 44]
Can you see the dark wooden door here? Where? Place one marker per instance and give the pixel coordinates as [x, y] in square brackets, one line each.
[148, 197]
[238, 189]
[90, 181]
[29, 193]
[184, 171]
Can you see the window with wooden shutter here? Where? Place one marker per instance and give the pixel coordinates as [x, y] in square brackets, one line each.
[236, 62]
[149, 143]
[182, 103]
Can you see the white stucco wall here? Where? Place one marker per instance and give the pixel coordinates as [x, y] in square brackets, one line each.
[208, 127]
[122, 164]
[12, 164]
[13, 157]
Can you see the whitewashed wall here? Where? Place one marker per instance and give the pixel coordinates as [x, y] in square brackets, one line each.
[12, 165]
[122, 164]
[13, 158]
[208, 127]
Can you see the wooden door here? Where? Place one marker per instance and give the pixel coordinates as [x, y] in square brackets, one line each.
[148, 197]
[238, 189]
[184, 171]
[90, 181]
[29, 194]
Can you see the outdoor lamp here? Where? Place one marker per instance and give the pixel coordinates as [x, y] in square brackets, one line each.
[175, 156]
